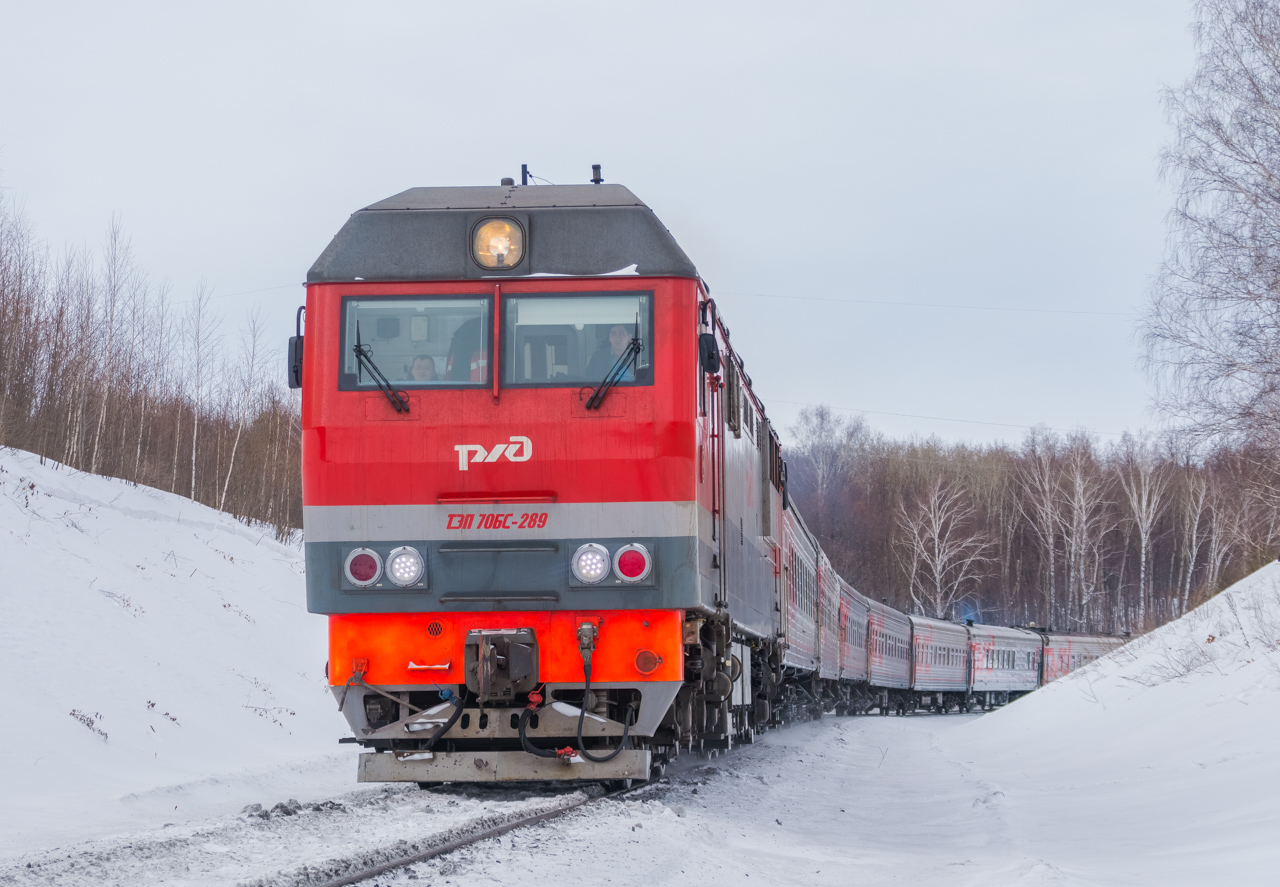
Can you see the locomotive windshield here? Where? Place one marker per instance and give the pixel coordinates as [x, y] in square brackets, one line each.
[573, 340]
[417, 342]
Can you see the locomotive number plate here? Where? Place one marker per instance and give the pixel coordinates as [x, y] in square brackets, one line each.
[529, 520]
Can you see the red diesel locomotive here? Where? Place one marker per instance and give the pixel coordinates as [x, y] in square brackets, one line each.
[544, 512]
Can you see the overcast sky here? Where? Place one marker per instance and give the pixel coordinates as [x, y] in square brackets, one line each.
[829, 167]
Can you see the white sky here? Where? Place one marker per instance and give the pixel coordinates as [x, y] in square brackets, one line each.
[961, 153]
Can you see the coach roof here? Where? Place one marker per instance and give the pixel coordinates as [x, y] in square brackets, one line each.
[577, 230]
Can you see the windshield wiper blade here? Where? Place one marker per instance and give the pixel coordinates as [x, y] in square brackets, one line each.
[364, 358]
[614, 376]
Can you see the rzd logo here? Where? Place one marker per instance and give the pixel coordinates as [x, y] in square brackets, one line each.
[519, 450]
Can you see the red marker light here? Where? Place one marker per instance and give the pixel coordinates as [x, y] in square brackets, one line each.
[363, 567]
[632, 563]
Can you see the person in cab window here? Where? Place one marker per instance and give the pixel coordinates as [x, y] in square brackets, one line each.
[423, 369]
[468, 359]
[604, 358]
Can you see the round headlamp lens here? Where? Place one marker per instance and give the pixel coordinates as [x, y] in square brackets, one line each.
[498, 243]
[591, 563]
[405, 566]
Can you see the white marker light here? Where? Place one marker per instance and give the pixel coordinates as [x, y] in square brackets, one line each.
[404, 566]
[591, 563]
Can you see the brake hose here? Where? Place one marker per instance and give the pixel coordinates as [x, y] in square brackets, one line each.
[535, 699]
[458, 702]
[582, 714]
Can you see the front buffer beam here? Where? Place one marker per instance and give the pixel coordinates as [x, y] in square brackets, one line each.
[498, 766]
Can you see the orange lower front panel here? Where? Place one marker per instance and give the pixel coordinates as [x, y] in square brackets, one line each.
[427, 648]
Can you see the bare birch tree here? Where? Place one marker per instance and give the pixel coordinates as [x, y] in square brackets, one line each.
[202, 340]
[251, 359]
[118, 271]
[1086, 521]
[1041, 505]
[1194, 503]
[1212, 329]
[943, 553]
[1145, 480]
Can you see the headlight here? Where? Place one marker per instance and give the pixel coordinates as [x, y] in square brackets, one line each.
[363, 567]
[632, 562]
[405, 566]
[591, 563]
[498, 243]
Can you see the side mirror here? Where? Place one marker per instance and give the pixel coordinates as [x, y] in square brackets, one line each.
[295, 352]
[782, 477]
[295, 361]
[708, 353]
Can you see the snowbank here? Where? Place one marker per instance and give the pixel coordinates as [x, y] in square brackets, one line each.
[160, 662]
[1158, 763]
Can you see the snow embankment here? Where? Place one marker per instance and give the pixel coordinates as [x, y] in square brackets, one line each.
[160, 662]
[1157, 764]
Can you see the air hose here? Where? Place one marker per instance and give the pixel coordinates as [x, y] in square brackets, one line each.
[582, 714]
[535, 699]
[458, 702]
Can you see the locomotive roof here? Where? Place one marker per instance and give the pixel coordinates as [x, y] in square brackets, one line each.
[575, 230]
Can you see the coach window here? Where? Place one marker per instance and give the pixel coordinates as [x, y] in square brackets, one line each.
[574, 340]
[416, 341]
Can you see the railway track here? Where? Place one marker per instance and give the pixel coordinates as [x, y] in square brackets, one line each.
[450, 845]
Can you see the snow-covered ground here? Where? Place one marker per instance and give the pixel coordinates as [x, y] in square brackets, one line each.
[1158, 764]
[164, 674]
[160, 663]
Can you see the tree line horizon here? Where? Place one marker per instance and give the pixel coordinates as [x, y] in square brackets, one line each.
[1059, 532]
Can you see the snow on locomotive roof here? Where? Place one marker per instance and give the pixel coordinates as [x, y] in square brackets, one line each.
[511, 196]
[576, 230]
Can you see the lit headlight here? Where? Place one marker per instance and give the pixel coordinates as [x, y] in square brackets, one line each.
[591, 563]
[404, 566]
[498, 243]
[363, 567]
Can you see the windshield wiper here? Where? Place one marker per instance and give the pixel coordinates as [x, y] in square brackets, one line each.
[364, 358]
[614, 375]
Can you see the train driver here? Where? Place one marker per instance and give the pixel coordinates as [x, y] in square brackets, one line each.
[423, 369]
[603, 359]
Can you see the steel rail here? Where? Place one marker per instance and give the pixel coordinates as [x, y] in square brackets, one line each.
[459, 843]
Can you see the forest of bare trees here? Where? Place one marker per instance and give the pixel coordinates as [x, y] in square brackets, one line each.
[1062, 530]
[101, 370]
